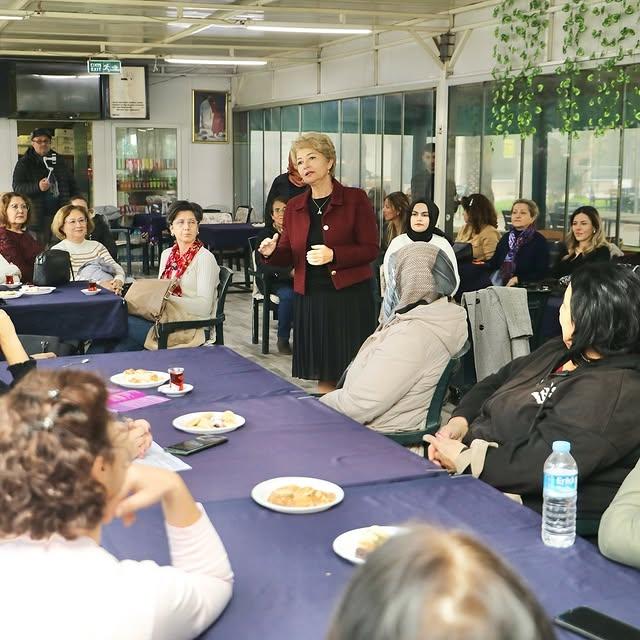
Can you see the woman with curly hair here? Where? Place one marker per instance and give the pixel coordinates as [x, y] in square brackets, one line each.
[64, 471]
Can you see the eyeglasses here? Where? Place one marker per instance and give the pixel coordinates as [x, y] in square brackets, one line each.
[19, 206]
[186, 223]
[42, 141]
[81, 221]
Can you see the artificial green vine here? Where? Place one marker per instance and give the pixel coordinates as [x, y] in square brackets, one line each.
[569, 71]
[519, 43]
[518, 50]
[614, 37]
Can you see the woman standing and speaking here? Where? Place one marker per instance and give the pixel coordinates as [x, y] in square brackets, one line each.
[330, 238]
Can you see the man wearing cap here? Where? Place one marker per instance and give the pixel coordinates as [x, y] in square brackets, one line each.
[43, 175]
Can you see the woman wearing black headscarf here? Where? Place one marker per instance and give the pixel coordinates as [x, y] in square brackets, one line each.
[421, 227]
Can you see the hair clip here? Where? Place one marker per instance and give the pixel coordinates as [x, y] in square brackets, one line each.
[52, 394]
[47, 423]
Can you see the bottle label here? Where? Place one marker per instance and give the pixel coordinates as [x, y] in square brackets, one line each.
[561, 485]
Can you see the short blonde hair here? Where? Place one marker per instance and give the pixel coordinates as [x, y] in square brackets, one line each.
[319, 142]
[63, 213]
[532, 206]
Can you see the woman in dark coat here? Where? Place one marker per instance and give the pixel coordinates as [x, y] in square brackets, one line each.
[287, 185]
[330, 238]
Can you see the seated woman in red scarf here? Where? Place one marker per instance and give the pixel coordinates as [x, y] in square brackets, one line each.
[193, 267]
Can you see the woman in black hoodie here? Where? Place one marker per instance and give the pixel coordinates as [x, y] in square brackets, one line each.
[583, 388]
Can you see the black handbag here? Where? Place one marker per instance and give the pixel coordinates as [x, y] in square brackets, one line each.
[52, 268]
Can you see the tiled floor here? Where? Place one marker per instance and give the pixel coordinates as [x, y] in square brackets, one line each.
[237, 334]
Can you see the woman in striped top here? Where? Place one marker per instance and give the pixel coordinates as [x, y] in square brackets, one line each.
[72, 225]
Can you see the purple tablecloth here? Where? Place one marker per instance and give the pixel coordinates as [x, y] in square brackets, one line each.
[69, 314]
[286, 431]
[227, 236]
[288, 578]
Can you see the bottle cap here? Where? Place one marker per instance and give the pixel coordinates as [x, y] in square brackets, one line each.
[561, 446]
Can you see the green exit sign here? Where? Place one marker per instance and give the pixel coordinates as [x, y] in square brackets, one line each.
[104, 66]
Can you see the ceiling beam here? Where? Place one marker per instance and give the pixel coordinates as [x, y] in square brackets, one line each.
[125, 43]
[244, 8]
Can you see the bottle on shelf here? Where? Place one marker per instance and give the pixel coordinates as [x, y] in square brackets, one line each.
[560, 496]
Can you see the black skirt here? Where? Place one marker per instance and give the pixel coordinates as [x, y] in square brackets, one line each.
[329, 326]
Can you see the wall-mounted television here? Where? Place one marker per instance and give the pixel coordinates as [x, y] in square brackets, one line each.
[56, 90]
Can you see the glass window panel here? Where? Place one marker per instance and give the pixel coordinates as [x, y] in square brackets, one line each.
[311, 117]
[290, 130]
[501, 173]
[272, 155]
[371, 150]
[350, 143]
[329, 112]
[419, 113]
[392, 144]
[256, 142]
[593, 175]
[630, 192]
[463, 147]
[240, 158]
[556, 150]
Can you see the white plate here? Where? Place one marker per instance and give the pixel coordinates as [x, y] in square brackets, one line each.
[88, 292]
[37, 291]
[121, 379]
[346, 543]
[10, 295]
[261, 492]
[181, 423]
[174, 393]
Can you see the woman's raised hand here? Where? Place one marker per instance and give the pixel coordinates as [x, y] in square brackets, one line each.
[145, 486]
[268, 245]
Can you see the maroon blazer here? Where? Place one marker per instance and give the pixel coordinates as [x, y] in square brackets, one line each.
[349, 228]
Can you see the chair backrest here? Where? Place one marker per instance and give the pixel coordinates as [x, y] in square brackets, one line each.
[242, 214]
[226, 276]
[555, 250]
[432, 422]
[506, 214]
[40, 344]
[537, 303]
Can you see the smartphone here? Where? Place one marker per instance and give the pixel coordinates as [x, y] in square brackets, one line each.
[592, 624]
[194, 445]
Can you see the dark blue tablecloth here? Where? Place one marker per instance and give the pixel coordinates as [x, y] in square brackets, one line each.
[69, 314]
[227, 236]
[288, 578]
[286, 431]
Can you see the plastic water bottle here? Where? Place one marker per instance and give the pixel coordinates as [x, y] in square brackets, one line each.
[560, 494]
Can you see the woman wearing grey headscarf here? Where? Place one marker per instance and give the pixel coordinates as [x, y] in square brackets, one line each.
[390, 383]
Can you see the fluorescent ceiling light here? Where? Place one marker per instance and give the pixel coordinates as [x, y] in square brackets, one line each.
[338, 30]
[180, 25]
[12, 17]
[215, 61]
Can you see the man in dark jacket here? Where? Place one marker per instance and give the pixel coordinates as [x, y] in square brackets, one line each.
[43, 175]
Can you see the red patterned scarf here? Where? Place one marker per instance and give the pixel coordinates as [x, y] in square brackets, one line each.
[177, 264]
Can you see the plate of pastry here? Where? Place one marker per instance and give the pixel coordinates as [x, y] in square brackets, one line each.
[297, 495]
[357, 544]
[208, 422]
[140, 378]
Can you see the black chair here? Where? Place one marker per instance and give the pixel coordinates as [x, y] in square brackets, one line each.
[432, 421]
[261, 295]
[34, 344]
[537, 303]
[165, 329]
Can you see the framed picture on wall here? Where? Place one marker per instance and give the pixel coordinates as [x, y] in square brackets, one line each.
[209, 116]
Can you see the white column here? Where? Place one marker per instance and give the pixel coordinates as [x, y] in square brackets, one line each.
[442, 111]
